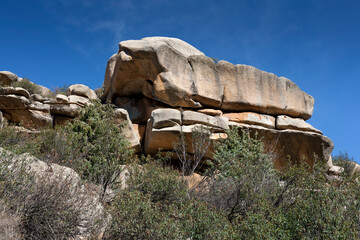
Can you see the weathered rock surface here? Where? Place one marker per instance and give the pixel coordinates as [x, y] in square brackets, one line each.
[173, 72]
[122, 116]
[81, 90]
[165, 126]
[286, 122]
[252, 119]
[291, 145]
[16, 103]
[285, 145]
[6, 78]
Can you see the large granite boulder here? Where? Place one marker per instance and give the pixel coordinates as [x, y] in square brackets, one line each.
[173, 72]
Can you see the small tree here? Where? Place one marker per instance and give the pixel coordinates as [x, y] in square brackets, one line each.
[200, 142]
[102, 144]
[243, 176]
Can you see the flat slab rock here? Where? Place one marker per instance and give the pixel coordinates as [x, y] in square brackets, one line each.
[165, 126]
[175, 73]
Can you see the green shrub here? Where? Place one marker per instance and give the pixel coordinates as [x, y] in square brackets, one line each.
[60, 90]
[345, 161]
[31, 87]
[243, 176]
[155, 206]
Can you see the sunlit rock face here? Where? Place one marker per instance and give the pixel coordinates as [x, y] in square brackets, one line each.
[168, 87]
[173, 72]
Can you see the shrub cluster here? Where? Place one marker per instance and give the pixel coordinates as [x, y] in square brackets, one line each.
[242, 196]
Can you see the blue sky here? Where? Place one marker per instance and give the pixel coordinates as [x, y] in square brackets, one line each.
[315, 43]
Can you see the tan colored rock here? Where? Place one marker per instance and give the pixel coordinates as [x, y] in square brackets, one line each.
[211, 112]
[217, 136]
[252, 119]
[81, 90]
[122, 116]
[31, 118]
[161, 135]
[285, 122]
[160, 139]
[290, 144]
[190, 117]
[249, 89]
[139, 131]
[61, 98]
[6, 78]
[194, 180]
[173, 72]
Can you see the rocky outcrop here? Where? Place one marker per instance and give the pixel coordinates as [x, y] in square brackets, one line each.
[165, 87]
[171, 87]
[166, 125]
[35, 111]
[6, 78]
[18, 107]
[174, 73]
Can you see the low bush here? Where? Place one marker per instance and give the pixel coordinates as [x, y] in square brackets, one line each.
[31, 87]
[155, 206]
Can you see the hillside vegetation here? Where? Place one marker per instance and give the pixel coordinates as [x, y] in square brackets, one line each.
[240, 196]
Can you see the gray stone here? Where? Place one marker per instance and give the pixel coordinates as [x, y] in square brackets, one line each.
[165, 118]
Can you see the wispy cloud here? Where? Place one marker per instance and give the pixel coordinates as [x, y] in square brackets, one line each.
[101, 23]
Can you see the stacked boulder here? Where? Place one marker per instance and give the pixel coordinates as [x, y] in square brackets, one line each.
[36, 111]
[168, 86]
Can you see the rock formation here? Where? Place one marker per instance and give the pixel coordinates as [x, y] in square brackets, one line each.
[164, 87]
[170, 87]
